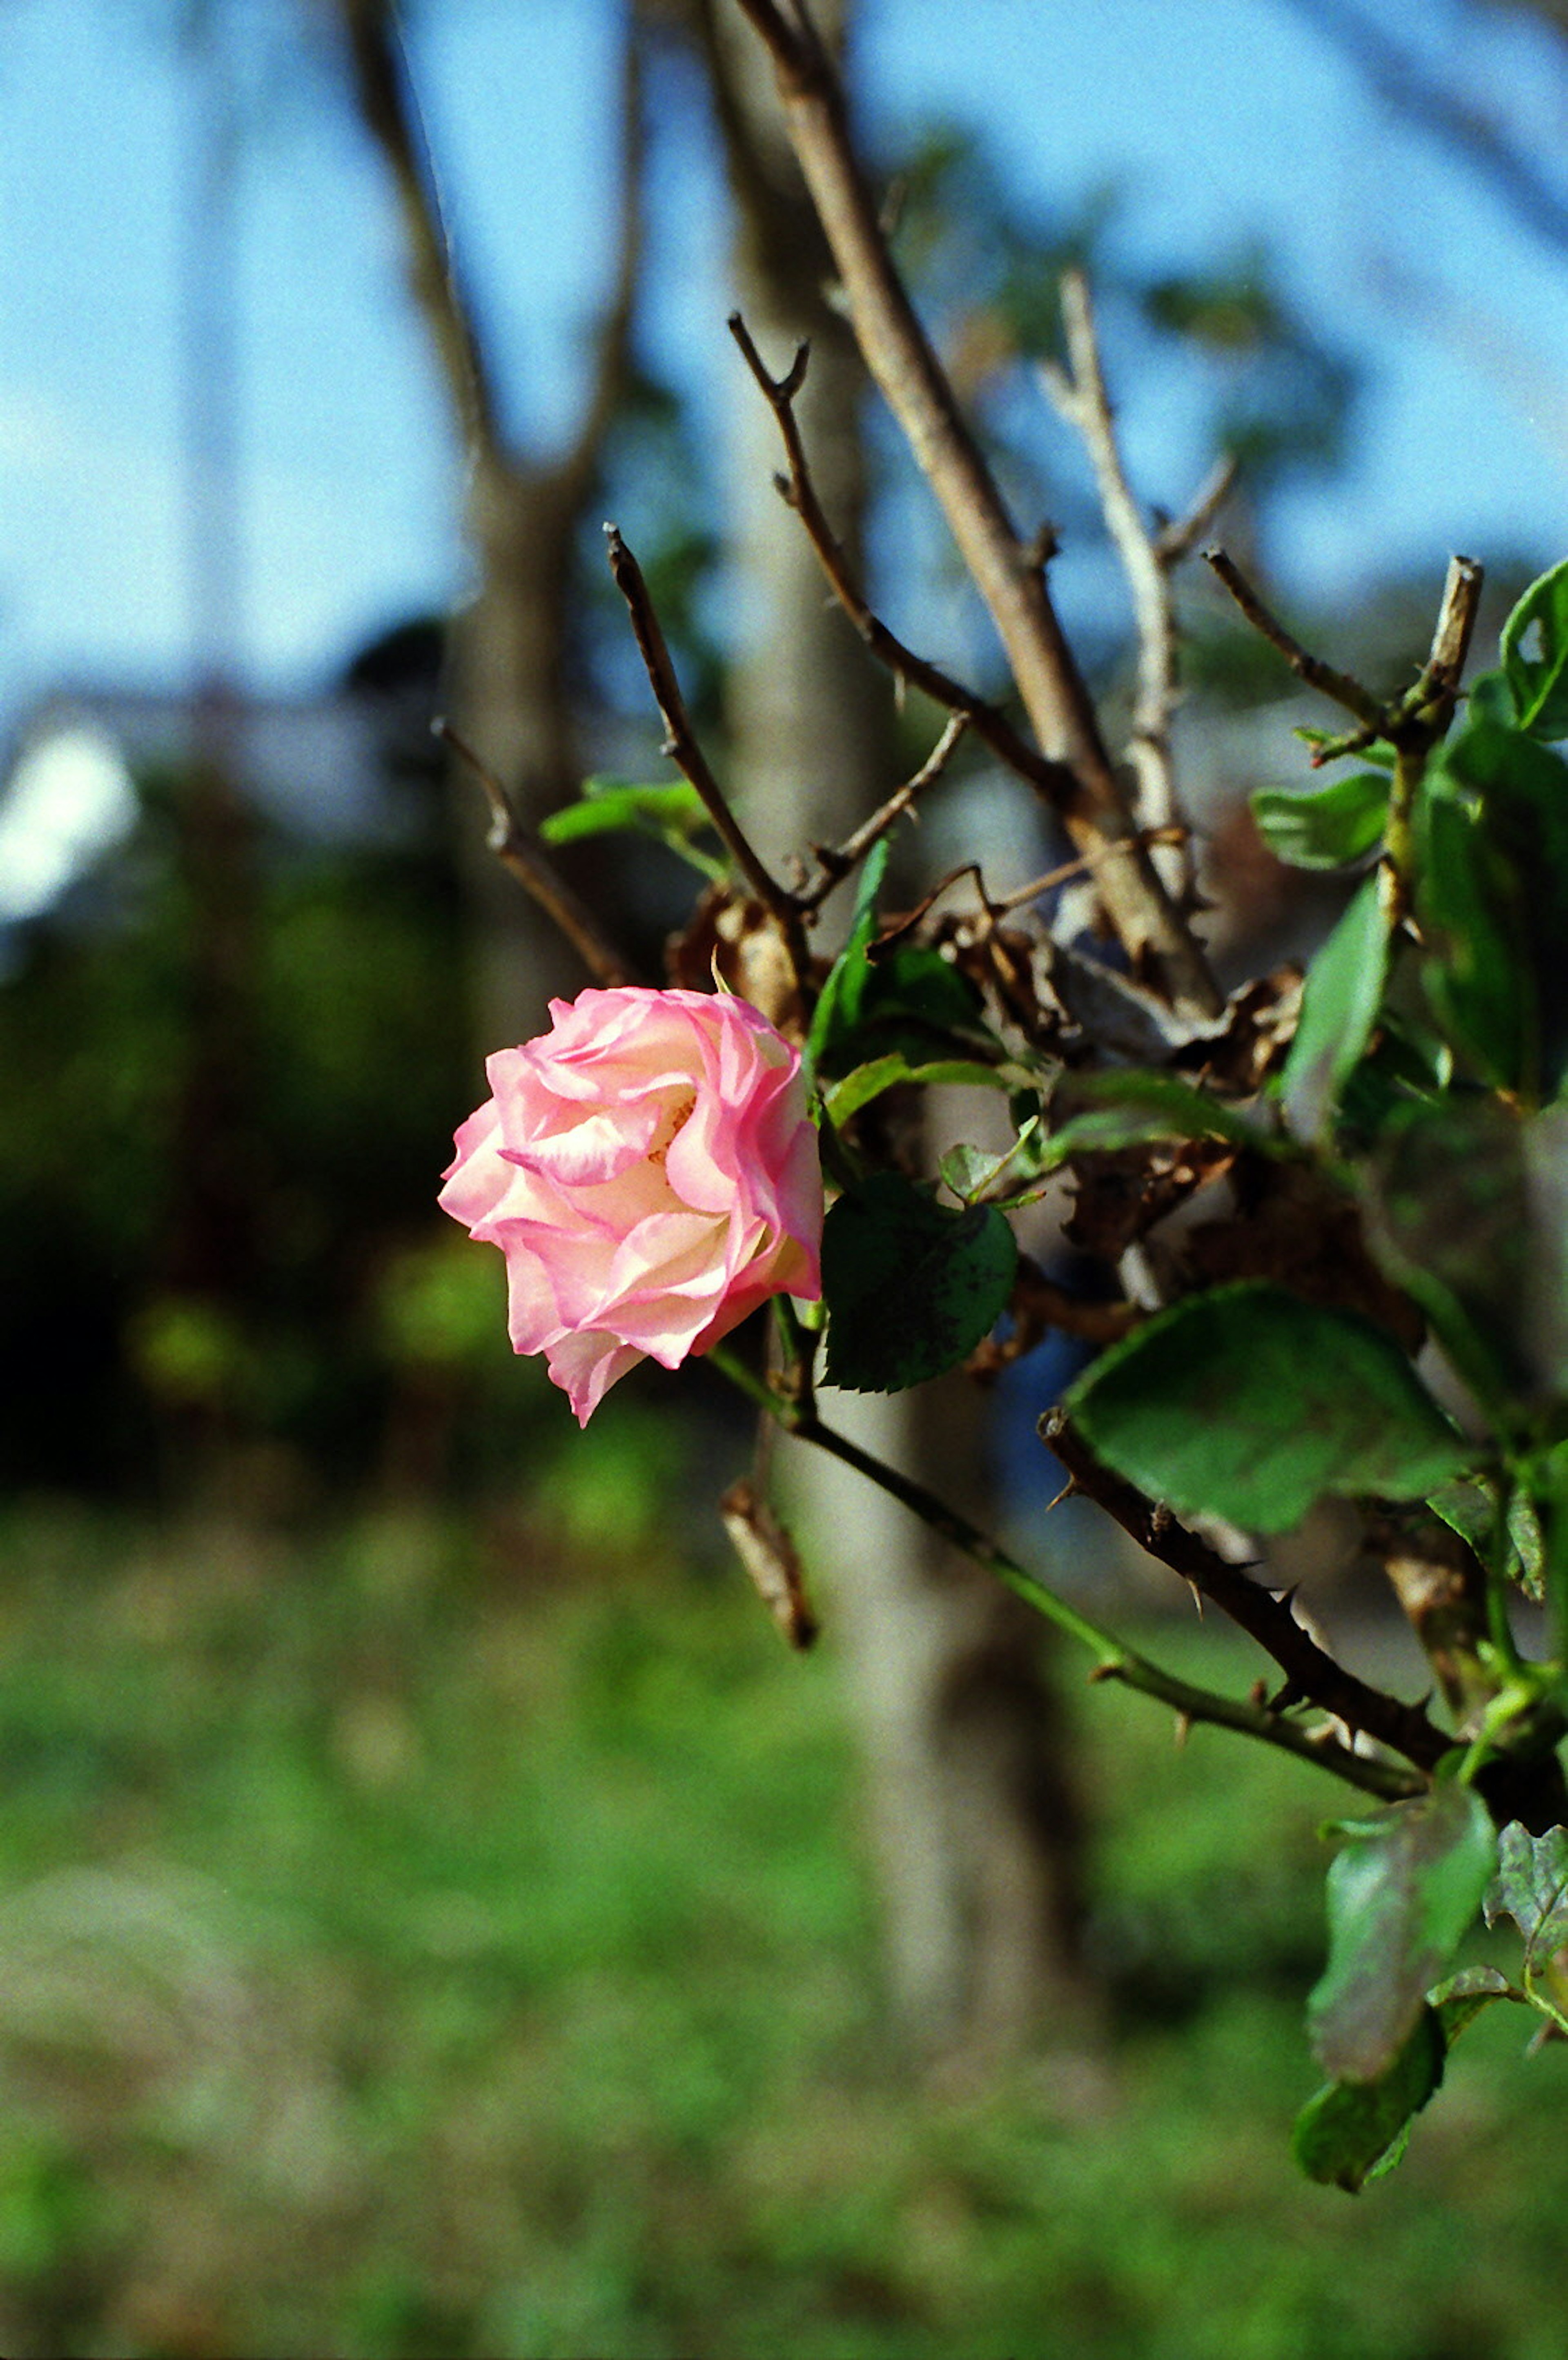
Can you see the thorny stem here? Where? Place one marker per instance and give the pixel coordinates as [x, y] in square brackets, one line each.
[682, 746]
[1114, 1660]
[1007, 569]
[520, 851]
[1312, 1674]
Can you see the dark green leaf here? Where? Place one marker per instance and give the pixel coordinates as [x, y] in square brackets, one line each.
[1124, 1108]
[1449, 1220]
[1331, 827]
[1535, 655]
[1354, 2131]
[1338, 1009]
[1473, 924]
[1402, 1894]
[865, 1083]
[1469, 1507]
[1249, 1403]
[1531, 1887]
[910, 1287]
[838, 1004]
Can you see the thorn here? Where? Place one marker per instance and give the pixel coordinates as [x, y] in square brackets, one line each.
[1183, 1730]
[1068, 1489]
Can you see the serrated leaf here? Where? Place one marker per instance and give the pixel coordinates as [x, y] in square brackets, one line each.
[1401, 1897]
[1354, 2131]
[1531, 1887]
[1249, 1404]
[1469, 1507]
[1330, 827]
[1340, 1002]
[910, 1286]
[1534, 649]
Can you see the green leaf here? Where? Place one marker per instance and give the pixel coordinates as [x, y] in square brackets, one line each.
[1449, 1220]
[1402, 1894]
[1249, 1403]
[838, 1003]
[974, 1172]
[1531, 1887]
[1126, 1109]
[1338, 1009]
[868, 1082]
[1535, 655]
[1329, 827]
[1472, 921]
[910, 1287]
[664, 810]
[1469, 1507]
[1519, 792]
[1354, 2131]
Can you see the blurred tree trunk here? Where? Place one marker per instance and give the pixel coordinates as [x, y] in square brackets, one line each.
[967, 1768]
[510, 658]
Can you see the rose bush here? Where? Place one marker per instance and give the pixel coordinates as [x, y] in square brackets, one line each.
[649, 1170]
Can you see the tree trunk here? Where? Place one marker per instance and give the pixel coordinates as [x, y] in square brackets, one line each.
[966, 1766]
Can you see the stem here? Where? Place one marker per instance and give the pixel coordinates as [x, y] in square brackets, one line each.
[1114, 1660]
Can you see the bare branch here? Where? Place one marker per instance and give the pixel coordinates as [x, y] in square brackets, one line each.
[1008, 574]
[682, 746]
[1147, 561]
[1455, 626]
[388, 110]
[1312, 1676]
[1053, 781]
[1338, 685]
[520, 851]
[835, 861]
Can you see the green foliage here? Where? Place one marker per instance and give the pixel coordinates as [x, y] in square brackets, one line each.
[1404, 1891]
[910, 1286]
[1249, 1403]
[1354, 2131]
[1333, 827]
[1535, 655]
[669, 814]
[1340, 1007]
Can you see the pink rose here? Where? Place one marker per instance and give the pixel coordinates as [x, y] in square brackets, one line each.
[650, 1172]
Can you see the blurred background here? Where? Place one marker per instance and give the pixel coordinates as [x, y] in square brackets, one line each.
[439, 1916]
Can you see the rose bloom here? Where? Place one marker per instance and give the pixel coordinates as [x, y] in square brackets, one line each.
[650, 1172]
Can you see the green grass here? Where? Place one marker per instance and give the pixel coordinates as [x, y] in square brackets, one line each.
[402, 1954]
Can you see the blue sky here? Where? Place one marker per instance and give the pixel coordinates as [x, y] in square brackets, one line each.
[1221, 117]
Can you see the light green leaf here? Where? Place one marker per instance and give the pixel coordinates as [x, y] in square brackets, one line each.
[1338, 1009]
[1249, 1404]
[868, 1082]
[1330, 827]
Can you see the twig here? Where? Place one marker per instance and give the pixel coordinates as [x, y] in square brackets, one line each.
[836, 860]
[681, 745]
[1064, 870]
[1339, 686]
[1079, 397]
[520, 851]
[1114, 1660]
[1053, 781]
[1008, 574]
[1312, 1676]
[1455, 628]
[1177, 539]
